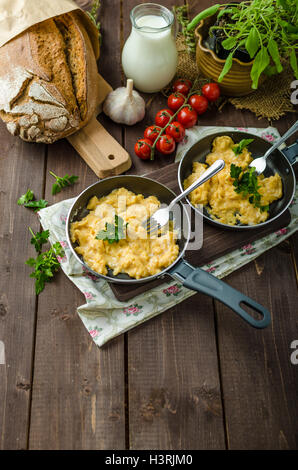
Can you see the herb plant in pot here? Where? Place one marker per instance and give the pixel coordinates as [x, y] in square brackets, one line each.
[240, 44]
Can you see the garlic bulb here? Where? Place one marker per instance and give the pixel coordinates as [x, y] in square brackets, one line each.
[124, 105]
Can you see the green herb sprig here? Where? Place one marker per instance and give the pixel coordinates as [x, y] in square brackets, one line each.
[113, 232]
[45, 265]
[246, 183]
[37, 205]
[93, 14]
[38, 239]
[62, 182]
[238, 149]
[27, 200]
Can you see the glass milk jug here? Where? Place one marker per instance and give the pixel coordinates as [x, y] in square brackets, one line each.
[149, 55]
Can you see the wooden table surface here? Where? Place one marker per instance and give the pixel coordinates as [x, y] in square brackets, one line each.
[195, 377]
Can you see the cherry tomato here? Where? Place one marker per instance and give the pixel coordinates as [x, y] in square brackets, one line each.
[175, 101]
[211, 91]
[166, 144]
[152, 133]
[163, 116]
[187, 117]
[182, 86]
[199, 103]
[143, 149]
[176, 130]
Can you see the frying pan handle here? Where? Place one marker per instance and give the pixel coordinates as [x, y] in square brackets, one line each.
[291, 152]
[199, 280]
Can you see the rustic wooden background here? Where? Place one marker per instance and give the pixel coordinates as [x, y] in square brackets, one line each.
[196, 377]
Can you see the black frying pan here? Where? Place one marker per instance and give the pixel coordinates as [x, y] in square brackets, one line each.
[191, 277]
[279, 161]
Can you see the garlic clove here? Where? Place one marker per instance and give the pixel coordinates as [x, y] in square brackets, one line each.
[125, 105]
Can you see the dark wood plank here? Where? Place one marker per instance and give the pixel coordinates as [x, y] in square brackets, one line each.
[18, 162]
[173, 382]
[110, 56]
[174, 389]
[78, 393]
[259, 381]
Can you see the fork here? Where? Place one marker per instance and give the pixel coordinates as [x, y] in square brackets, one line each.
[260, 163]
[160, 218]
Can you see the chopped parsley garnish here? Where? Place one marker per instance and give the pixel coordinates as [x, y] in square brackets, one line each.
[113, 232]
[235, 172]
[238, 149]
[246, 183]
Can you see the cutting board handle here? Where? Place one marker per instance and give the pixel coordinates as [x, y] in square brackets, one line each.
[104, 155]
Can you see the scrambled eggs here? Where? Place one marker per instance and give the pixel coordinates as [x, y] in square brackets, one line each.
[218, 194]
[135, 253]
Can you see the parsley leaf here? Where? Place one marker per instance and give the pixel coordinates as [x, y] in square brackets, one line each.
[39, 239]
[235, 171]
[62, 182]
[113, 232]
[41, 204]
[45, 265]
[29, 196]
[238, 149]
[246, 183]
[27, 200]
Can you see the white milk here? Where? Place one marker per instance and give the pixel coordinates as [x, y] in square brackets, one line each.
[149, 56]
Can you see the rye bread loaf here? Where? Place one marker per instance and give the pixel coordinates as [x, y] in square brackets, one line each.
[48, 80]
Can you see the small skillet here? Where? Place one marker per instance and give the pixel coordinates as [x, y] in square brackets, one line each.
[279, 161]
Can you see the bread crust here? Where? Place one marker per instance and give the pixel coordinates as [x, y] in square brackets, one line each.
[92, 94]
[48, 80]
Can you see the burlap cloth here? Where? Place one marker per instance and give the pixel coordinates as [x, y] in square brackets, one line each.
[271, 100]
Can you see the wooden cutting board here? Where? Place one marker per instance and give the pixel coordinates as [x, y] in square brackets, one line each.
[217, 242]
[102, 153]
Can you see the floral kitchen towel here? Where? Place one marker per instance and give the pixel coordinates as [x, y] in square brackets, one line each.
[106, 317]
